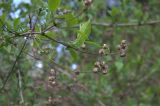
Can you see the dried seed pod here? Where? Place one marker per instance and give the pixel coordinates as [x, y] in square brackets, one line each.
[95, 69]
[77, 72]
[87, 2]
[53, 82]
[123, 42]
[101, 51]
[123, 46]
[106, 66]
[104, 71]
[50, 100]
[97, 64]
[103, 63]
[52, 71]
[51, 78]
[122, 53]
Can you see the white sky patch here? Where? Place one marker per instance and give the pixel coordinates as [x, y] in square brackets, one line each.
[39, 64]
[74, 66]
[15, 14]
[17, 2]
[112, 3]
[59, 48]
[0, 12]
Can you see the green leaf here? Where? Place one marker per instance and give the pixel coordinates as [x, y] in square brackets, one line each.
[83, 33]
[16, 22]
[115, 11]
[51, 34]
[93, 44]
[8, 48]
[73, 54]
[119, 65]
[71, 19]
[53, 4]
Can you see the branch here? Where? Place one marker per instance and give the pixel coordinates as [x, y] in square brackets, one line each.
[103, 24]
[34, 25]
[72, 47]
[14, 64]
[20, 87]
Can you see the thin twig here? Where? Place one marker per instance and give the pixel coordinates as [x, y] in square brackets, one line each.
[103, 24]
[72, 47]
[14, 64]
[20, 87]
[30, 21]
[34, 25]
[47, 29]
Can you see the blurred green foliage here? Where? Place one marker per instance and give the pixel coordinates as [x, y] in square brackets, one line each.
[131, 81]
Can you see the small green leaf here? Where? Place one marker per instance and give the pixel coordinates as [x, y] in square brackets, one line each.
[71, 19]
[8, 48]
[16, 22]
[114, 11]
[73, 54]
[119, 65]
[83, 33]
[51, 34]
[53, 4]
[94, 44]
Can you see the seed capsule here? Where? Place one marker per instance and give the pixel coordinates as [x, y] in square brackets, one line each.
[123, 46]
[50, 100]
[77, 72]
[104, 71]
[87, 2]
[123, 41]
[97, 64]
[103, 63]
[101, 51]
[53, 82]
[95, 69]
[106, 66]
[52, 71]
[122, 53]
[51, 78]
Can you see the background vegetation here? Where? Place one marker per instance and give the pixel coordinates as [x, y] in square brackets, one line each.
[48, 50]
